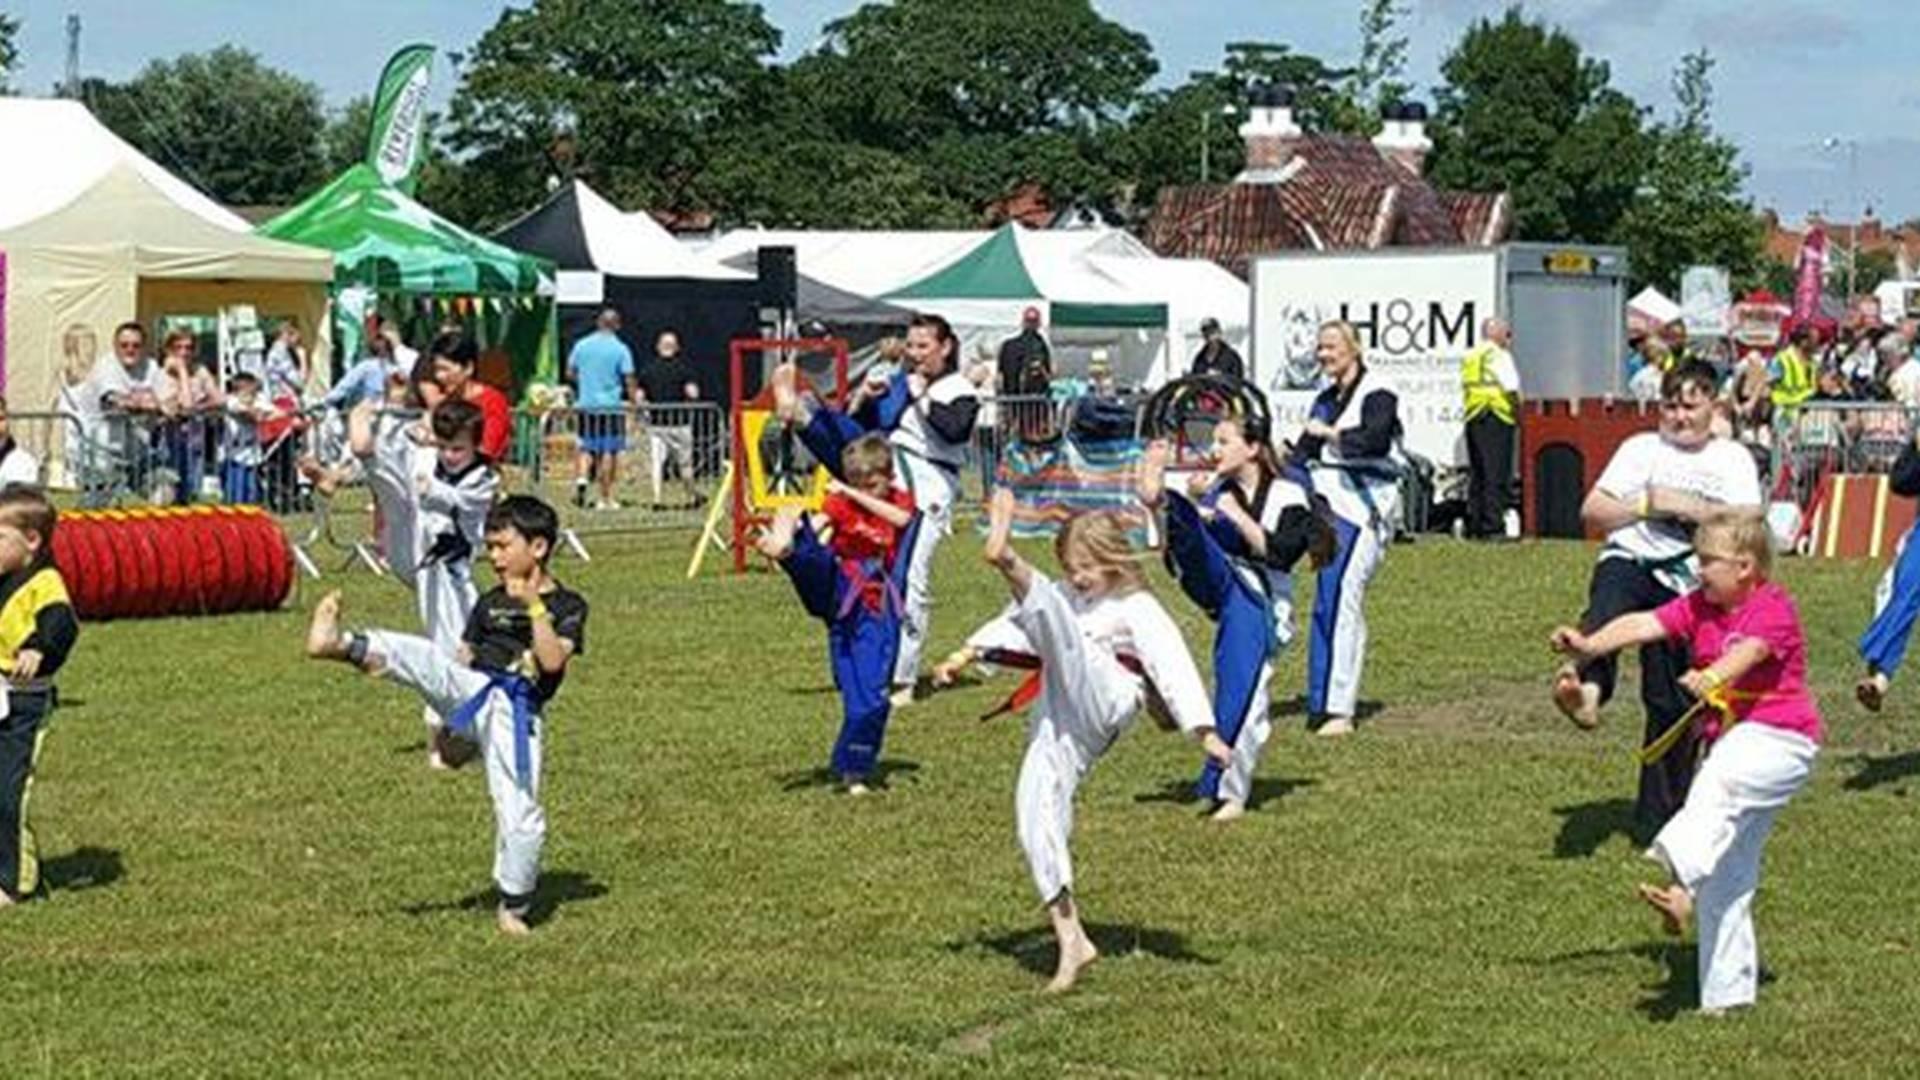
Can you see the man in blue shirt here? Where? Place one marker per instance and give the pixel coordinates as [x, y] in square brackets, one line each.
[600, 366]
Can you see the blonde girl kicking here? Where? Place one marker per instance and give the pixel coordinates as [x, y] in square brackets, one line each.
[1106, 649]
[1758, 720]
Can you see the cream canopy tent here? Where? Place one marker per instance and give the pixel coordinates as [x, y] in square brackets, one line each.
[95, 234]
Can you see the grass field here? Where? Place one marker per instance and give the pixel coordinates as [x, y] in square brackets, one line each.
[254, 873]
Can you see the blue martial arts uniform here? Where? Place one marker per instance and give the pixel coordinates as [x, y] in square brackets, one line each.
[1897, 600]
[1250, 598]
[861, 641]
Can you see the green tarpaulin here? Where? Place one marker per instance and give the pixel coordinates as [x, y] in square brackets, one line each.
[385, 241]
[1000, 268]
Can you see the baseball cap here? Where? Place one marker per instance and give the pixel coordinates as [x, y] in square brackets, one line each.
[1209, 324]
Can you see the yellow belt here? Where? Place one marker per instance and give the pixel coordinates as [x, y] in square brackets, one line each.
[1720, 699]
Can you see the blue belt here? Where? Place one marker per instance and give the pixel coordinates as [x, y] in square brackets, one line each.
[526, 710]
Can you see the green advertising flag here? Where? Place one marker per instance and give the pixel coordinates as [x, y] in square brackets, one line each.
[400, 116]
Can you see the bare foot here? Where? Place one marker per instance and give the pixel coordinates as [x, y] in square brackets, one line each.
[1150, 478]
[998, 550]
[1229, 810]
[857, 786]
[510, 924]
[6, 899]
[776, 540]
[323, 632]
[1335, 726]
[1674, 904]
[1871, 691]
[786, 395]
[1217, 748]
[1076, 954]
[1577, 701]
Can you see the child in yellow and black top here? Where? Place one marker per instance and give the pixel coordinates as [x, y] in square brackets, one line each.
[37, 629]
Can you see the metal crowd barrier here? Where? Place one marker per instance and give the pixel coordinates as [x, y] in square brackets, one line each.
[1824, 437]
[1006, 419]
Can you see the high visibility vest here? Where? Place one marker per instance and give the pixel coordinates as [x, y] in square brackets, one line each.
[1483, 392]
[1795, 384]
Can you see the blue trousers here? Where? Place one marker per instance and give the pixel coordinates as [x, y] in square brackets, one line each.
[1337, 640]
[1884, 645]
[239, 484]
[1244, 635]
[861, 642]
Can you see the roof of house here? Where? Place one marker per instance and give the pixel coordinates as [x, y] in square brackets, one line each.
[1336, 191]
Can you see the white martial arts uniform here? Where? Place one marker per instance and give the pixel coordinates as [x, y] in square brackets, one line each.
[1087, 699]
[1364, 495]
[421, 507]
[1712, 847]
[520, 824]
[930, 468]
[1720, 471]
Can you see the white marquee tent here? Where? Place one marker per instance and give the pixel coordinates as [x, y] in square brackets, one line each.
[95, 234]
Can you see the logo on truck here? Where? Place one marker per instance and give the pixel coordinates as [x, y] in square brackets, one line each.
[1389, 330]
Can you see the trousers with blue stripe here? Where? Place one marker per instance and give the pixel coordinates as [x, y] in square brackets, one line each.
[498, 714]
[1202, 555]
[861, 641]
[1337, 638]
[1896, 604]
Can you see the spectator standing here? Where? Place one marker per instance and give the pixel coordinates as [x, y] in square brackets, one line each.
[196, 397]
[286, 368]
[1026, 371]
[1792, 372]
[668, 387]
[453, 356]
[1215, 355]
[1900, 372]
[600, 367]
[1491, 385]
[1645, 385]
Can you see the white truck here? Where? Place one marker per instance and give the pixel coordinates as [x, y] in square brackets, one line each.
[1419, 311]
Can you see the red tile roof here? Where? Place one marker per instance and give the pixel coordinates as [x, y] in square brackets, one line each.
[1338, 191]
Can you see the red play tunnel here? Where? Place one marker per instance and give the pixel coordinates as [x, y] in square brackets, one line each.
[200, 560]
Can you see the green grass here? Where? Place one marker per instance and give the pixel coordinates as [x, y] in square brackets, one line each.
[255, 874]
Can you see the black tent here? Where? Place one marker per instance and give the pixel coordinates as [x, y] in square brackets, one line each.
[608, 257]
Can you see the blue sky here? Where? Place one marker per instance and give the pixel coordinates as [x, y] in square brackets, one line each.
[1790, 74]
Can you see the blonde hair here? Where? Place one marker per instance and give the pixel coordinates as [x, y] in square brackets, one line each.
[1100, 537]
[1743, 534]
[1347, 334]
[867, 456]
[891, 348]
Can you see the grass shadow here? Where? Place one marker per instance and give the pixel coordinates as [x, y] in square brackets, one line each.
[81, 868]
[1297, 706]
[1880, 771]
[1589, 825]
[1180, 792]
[1034, 948]
[882, 777]
[1664, 1002]
[556, 888]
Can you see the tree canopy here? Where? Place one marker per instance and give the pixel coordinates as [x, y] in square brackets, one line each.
[243, 132]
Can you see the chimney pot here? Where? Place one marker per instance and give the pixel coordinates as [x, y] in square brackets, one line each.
[1270, 132]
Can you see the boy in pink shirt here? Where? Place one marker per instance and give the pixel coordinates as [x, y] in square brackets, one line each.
[1762, 731]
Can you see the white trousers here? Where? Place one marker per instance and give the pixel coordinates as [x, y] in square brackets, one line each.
[934, 493]
[1236, 780]
[664, 443]
[519, 823]
[1713, 845]
[1086, 699]
[444, 593]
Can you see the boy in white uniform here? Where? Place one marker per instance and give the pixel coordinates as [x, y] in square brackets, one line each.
[1658, 486]
[1106, 648]
[509, 663]
[433, 491]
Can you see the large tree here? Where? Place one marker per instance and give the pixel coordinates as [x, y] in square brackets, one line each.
[981, 98]
[1690, 209]
[344, 143]
[1523, 110]
[634, 96]
[243, 132]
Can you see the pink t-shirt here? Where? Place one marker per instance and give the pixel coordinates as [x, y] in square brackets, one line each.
[1775, 691]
